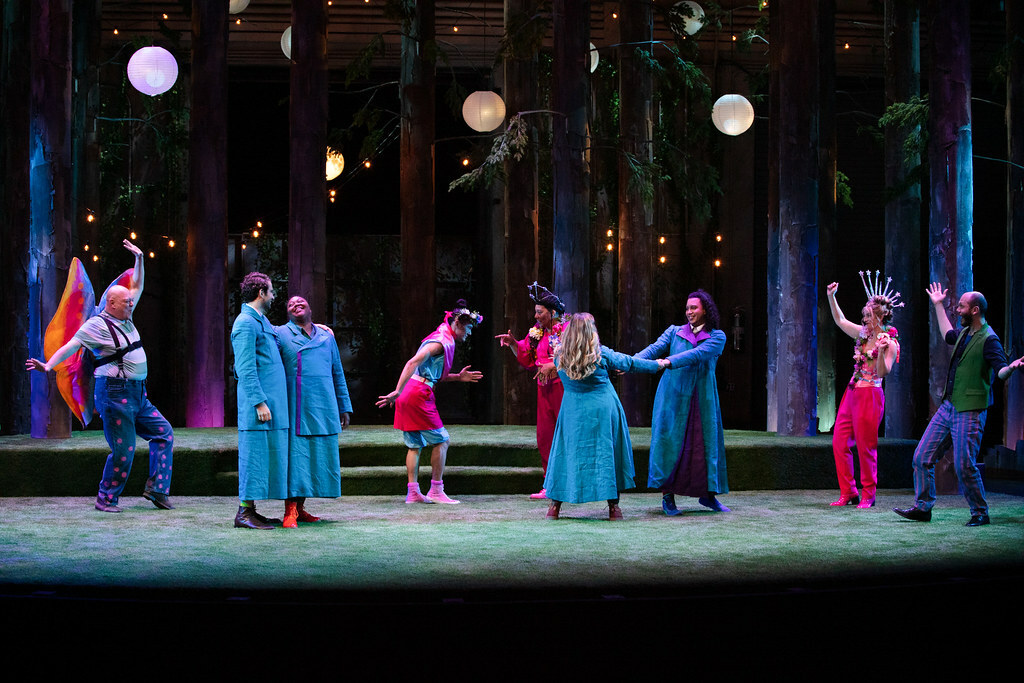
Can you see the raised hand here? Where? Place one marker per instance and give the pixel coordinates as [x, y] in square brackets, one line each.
[132, 248]
[936, 293]
[831, 289]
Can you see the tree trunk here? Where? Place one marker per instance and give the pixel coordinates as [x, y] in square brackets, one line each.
[419, 314]
[799, 105]
[773, 321]
[521, 210]
[903, 216]
[950, 167]
[636, 229]
[15, 414]
[207, 216]
[571, 179]
[827, 151]
[1014, 421]
[307, 197]
[50, 190]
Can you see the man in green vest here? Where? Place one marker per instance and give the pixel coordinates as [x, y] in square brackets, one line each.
[960, 419]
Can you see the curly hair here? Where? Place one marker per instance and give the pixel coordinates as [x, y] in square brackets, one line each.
[253, 284]
[882, 307]
[580, 348]
[711, 318]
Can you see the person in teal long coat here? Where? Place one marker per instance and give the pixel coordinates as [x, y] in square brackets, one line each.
[687, 441]
[591, 452]
[262, 405]
[318, 410]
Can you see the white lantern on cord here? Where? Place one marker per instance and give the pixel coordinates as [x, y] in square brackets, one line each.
[152, 70]
[594, 58]
[692, 15]
[286, 42]
[335, 164]
[483, 110]
[732, 114]
[236, 6]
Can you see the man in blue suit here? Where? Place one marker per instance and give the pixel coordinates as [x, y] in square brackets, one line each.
[262, 405]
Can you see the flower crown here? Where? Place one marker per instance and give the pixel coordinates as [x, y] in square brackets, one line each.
[475, 317]
[879, 294]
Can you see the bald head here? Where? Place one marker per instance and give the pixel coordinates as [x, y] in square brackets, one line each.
[977, 299]
[119, 302]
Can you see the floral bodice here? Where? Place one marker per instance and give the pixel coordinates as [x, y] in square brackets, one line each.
[864, 358]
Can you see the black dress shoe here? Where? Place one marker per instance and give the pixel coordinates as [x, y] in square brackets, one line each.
[246, 518]
[915, 513]
[978, 520]
[158, 499]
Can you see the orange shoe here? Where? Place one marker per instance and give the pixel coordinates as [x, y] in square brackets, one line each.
[305, 517]
[291, 515]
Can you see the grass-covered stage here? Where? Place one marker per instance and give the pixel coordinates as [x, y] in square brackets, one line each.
[782, 575]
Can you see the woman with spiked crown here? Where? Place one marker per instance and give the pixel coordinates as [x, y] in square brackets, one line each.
[536, 351]
[415, 411]
[876, 351]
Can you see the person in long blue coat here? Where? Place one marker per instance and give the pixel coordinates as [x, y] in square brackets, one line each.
[318, 410]
[687, 441]
[591, 452]
[262, 405]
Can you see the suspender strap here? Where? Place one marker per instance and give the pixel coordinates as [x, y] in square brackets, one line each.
[119, 353]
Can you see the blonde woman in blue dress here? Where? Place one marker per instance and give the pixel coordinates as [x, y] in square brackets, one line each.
[591, 453]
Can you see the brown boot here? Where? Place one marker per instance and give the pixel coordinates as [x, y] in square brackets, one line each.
[247, 519]
[291, 515]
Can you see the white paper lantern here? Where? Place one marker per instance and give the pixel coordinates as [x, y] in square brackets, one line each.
[335, 164]
[236, 6]
[594, 58]
[484, 110]
[732, 114]
[286, 42]
[693, 20]
[152, 70]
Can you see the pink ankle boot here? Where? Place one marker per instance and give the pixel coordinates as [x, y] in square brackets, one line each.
[437, 494]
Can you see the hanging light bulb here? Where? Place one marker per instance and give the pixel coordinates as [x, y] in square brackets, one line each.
[335, 164]
[152, 70]
[692, 15]
[236, 6]
[483, 110]
[732, 114]
[594, 58]
[286, 42]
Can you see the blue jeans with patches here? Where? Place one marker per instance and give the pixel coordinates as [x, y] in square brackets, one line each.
[127, 413]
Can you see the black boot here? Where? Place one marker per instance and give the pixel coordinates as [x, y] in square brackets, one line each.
[246, 518]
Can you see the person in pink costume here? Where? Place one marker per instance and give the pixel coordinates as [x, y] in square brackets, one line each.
[876, 351]
[415, 411]
[537, 350]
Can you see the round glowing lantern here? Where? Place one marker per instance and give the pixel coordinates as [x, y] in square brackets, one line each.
[692, 15]
[594, 58]
[335, 164]
[732, 114]
[152, 70]
[483, 110]
[236, 6]
[286, 42]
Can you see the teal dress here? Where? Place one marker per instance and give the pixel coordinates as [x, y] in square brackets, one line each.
[262, 446]
[687, 439]
[317, 397]
[591, 453]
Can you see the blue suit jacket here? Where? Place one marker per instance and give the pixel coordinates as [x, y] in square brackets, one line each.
[259, 371]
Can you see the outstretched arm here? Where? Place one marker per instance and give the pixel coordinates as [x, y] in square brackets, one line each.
[425, 351]
[1004, 373]
[850, 328]
[702, 353]
[138, 273]
[61, 355]
[938, 296]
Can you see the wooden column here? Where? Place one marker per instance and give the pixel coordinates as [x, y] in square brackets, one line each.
[636, 215]
[903, 220]
[420, 314]
[950, 169]
[520, 236]
[571, 176]
[208, 216]
[50, 197]
[307, 197]
[1014, 423]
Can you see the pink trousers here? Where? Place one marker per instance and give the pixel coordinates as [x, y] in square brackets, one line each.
[860, 414]
[549, 400]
